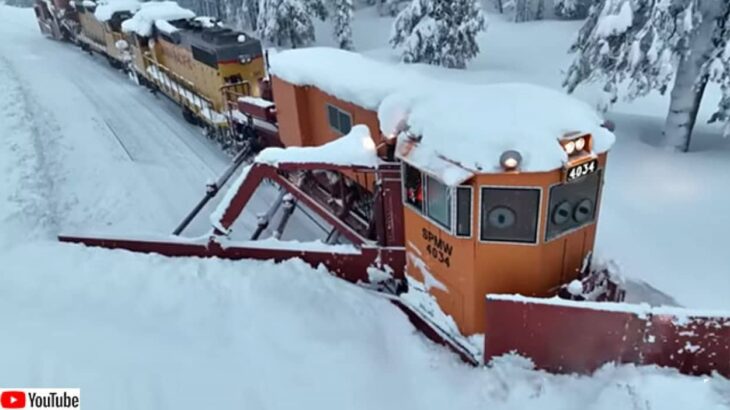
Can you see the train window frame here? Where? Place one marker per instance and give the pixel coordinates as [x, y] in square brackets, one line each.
[538, 221]
[331, 109]
[423, 212]
[449, 224]
[470, 213]
[404, 188]
[596, 205]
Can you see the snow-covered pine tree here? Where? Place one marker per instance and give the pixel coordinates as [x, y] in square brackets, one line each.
[342, 16]
[572, 9]
[288, 22]
[439, 32]
[250, 13]
[643, 45]
[390, 7]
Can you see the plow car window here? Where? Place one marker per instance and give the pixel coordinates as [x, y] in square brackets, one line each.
[572, 205]
[339, 120]
[438, 202]
[463, 211]
[509, 215]
[413, 186]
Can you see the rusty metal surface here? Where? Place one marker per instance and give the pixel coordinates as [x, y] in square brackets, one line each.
[569, 337]
[349, 266]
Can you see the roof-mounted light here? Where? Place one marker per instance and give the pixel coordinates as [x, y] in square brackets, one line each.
[576, 144]
[510, 160]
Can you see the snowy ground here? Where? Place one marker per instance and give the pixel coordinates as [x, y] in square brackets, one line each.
[82, 149]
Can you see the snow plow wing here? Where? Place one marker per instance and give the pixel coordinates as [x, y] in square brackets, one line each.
[349, 265]
[579, 337]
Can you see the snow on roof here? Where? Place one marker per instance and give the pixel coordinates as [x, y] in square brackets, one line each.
[106, 9]
[473, 125]
[207, 21]
[467, 126]
[350, 76]
[356, 148]
[165, 27]
[150, 12]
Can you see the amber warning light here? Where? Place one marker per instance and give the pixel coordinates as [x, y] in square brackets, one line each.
[26, 398]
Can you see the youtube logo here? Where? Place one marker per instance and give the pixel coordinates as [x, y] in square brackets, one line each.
[12, 399]
[44, 398]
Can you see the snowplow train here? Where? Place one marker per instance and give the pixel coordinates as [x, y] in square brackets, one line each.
[473, 209]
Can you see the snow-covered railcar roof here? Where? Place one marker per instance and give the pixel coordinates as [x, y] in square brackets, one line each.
[471, 125]
[150, 12]
[349, 76]
[105, 10]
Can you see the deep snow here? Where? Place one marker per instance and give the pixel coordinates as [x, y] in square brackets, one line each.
[81, 148]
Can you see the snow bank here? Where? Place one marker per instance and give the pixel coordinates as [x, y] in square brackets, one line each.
[470, 125]
[105, 10]
[160, 333]
[143, 21]
[354, 149]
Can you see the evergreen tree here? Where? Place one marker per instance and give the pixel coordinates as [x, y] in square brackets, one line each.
[342, 16]
[645, 44]
[439, 32]
[572, 9]
[288, 22]
[250, 13]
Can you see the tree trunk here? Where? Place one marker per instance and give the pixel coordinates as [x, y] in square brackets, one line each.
[684, 104]
[689, 84]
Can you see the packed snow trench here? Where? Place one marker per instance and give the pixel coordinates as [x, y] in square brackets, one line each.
[83, 150]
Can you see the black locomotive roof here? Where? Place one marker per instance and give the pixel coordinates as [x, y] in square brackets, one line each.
[216, 43]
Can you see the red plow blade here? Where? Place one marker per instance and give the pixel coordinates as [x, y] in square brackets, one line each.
[568, 336]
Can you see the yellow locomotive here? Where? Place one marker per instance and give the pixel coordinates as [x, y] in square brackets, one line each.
[193, 60]
[197, 62]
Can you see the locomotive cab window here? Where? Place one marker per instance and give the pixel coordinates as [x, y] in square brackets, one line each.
[438, 202]
[413, 186]
[509, 214]
[450, 208]
[572, 205]
[463, 211]
[339, 120]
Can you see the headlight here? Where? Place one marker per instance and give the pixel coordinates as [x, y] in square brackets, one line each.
[580, 143]
[510, 160]
[570, 147]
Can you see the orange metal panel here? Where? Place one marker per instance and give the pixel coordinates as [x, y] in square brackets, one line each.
[478, 268]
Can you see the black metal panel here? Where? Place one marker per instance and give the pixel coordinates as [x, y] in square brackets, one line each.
[204, 57]
[572, 205]
[463, 211]
[509, 214]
